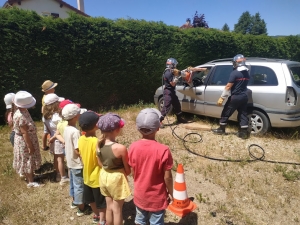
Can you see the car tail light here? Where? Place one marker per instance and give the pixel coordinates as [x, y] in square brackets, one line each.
[291, 96]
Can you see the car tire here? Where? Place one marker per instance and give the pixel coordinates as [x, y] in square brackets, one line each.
[161, 104]
[259, 123]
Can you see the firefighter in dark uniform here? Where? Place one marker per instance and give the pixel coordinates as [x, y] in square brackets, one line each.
[170, 97]
[236, 91]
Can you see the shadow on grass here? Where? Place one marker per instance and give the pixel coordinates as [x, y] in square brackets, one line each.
[45, 172]
[190, 219]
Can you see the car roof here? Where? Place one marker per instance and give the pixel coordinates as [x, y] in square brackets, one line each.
[252, 59]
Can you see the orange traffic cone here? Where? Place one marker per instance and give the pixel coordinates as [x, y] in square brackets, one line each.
[181, 204]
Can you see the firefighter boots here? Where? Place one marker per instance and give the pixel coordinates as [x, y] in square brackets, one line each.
[243, 133]
[180, 119]
[220, 130]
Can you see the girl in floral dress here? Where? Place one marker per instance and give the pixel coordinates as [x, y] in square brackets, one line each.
[27, 157]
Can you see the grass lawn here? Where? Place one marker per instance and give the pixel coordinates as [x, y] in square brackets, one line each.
[225, 191]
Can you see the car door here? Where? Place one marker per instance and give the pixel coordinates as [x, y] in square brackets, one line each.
[192, 98]
[215, 85]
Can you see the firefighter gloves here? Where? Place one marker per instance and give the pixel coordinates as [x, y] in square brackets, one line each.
[220, 101]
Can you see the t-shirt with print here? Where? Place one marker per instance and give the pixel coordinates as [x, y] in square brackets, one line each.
[149, 160]
[91, 170]
[71, 136]
[61, 126]
[51, 123]
[240, 81]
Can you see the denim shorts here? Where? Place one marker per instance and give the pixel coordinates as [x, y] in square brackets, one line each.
[155, 218]
[76, 186]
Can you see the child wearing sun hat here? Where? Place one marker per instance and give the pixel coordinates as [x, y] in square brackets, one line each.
[8, 99]
[27, 157]
[51, 119]
[48, 87]
[115, 169]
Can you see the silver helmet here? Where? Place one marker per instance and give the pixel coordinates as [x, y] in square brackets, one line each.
[171, 63]
[238, 60]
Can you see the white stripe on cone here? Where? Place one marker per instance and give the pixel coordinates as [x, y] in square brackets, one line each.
[180, 195]
[179, 178]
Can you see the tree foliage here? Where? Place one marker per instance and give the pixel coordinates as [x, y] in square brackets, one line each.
[199, 20]
[258, 25]
[248, 24]
[225, 27]
[104, 63]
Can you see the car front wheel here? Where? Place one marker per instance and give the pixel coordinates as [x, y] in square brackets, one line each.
[161, 105]
[259, 122]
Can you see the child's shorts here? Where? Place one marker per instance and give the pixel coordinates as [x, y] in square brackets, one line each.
[58, 147]
[51, 147]
[45, 129]
[91, 195]
[142, 217]
[114, 184]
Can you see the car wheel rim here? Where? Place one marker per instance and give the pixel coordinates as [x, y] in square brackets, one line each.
[256, 123]
[161, 105]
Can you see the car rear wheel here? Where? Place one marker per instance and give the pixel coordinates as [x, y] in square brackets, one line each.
[161, 105]
[259, 122]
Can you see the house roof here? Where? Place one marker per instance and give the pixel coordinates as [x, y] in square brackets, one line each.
[10, 2]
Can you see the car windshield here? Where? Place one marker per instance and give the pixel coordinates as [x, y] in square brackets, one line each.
[295, 73]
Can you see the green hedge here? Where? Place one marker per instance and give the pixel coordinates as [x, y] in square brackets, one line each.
[106, 63]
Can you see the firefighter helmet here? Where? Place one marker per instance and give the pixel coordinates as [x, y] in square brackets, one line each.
[238, 60]
[171, 63]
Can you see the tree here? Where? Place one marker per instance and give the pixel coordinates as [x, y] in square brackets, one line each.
[244, 24]
[248, 24]
[199, 20]
[225, 27]
[259, 26]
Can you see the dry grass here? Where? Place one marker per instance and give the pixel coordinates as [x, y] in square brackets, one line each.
[225, 192]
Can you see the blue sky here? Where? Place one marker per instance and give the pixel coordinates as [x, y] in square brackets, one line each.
[281, 16]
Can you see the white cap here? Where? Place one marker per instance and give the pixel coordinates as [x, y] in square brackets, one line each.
[51, 98]
[70, 111]
[148, 119]
[9, 99]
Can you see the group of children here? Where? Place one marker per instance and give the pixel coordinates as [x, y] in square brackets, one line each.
[98, 169]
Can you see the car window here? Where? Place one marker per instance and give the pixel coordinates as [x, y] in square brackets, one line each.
[262, 76]
[220, 75]
[199, 77]
[295, 73]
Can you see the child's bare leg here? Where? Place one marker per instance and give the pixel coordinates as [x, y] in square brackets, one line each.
[55, 164]
[94, 208]
[29, 177]
[117, 211]
[45, 135]
[102, 214]
[109, 211]
[81, 207]
[60, 165]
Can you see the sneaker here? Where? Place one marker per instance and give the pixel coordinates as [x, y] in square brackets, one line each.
[64, 181]
[103, 223]
[96, 219]
[34, 185]
[73, 206]
[86, 210]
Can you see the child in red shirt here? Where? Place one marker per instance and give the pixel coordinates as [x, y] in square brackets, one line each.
[151, 164]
